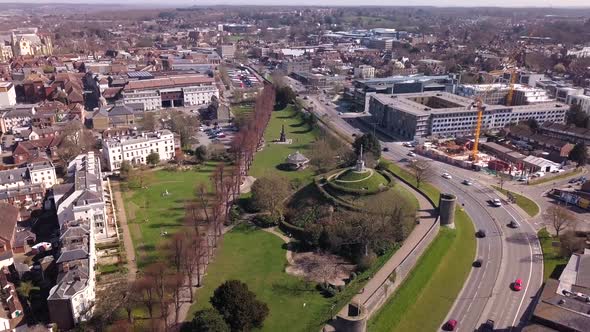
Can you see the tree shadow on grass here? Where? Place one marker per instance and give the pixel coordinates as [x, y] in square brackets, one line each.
[291, 289]
[297, 125]
[308, 130]
[159, 225]
[284, 167]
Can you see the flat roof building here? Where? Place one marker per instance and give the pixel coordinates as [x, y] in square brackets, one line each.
[184, 90]
[564, 304]
[442, 114]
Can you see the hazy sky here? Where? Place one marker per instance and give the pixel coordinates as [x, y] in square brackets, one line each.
[439, 3]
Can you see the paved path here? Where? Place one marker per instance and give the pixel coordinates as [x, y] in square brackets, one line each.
[427, 219]
[286, 239]
[127, 241]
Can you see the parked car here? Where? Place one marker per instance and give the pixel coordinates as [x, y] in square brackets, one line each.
[496, 202]
[480, 233]
[517, 285]
[450, 325]
[488, 326]
[513, 224]
[447, 176]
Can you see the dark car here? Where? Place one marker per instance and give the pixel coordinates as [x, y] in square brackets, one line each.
[478, 262]
[488, 326]
[480, 233]
[386, 149]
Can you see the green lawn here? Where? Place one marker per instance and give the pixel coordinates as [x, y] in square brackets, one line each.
[426, 296]
[372, 182]
[525, 203]
[553, 263]
[557, 177]
[149, 214]
[269, 160]
[258, 259]
[429, 190]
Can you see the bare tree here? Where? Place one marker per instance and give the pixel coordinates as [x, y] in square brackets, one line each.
[421, 170]
[146, 287]
[174, 284]
[131, 297]
[559, 217]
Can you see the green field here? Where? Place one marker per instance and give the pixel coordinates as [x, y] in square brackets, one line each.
[270, 159]
[150, 214]
[426, 296]
[553, 263]
[429, 190]
[525, 203]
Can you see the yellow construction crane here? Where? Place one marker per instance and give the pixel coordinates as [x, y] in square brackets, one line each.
[480, 108]
[511, 89]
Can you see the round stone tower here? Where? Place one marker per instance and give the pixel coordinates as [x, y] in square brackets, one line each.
[446, 204]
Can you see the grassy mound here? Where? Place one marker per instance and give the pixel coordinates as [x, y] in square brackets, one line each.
[352, 180]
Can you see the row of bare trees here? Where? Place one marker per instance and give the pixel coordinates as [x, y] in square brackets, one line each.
[164, 286]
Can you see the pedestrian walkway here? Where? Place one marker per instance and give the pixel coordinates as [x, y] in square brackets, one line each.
[127, 241]
[427, 217]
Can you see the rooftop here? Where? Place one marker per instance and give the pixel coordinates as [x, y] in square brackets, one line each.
[427, 103]
[169, 82]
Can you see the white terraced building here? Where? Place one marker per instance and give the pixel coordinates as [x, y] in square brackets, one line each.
[136, 148]
[171, 91]
[82, 217]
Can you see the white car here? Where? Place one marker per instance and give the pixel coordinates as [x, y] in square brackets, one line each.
[447, 176]
[467, 182]
[412, 154]
[496, 202]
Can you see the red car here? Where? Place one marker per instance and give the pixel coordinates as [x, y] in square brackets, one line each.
[517, 286]
[450, 325]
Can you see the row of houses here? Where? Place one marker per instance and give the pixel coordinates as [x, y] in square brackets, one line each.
[82, 217]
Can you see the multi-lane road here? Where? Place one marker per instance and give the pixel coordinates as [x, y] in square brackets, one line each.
[507, 254]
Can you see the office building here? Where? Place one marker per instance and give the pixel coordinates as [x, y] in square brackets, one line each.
[185, 90]
[364, 72]
[226, 51]
[135, 148]
[398, 84]
[582, 100]
[497, 94]
[415, 115]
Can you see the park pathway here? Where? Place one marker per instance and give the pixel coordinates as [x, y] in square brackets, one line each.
[286, 239]
[427, 215]
[127, 241]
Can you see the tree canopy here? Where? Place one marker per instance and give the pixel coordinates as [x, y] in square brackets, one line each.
[208, 320]
[579, 154]
[370, 144]
[239, 306]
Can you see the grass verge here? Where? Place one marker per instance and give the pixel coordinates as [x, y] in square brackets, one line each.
[553, 263]
[433, 284]
[429, 190]
[557, 177]
[525, 203]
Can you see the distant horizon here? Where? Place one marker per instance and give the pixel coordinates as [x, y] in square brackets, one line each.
[520, 4]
